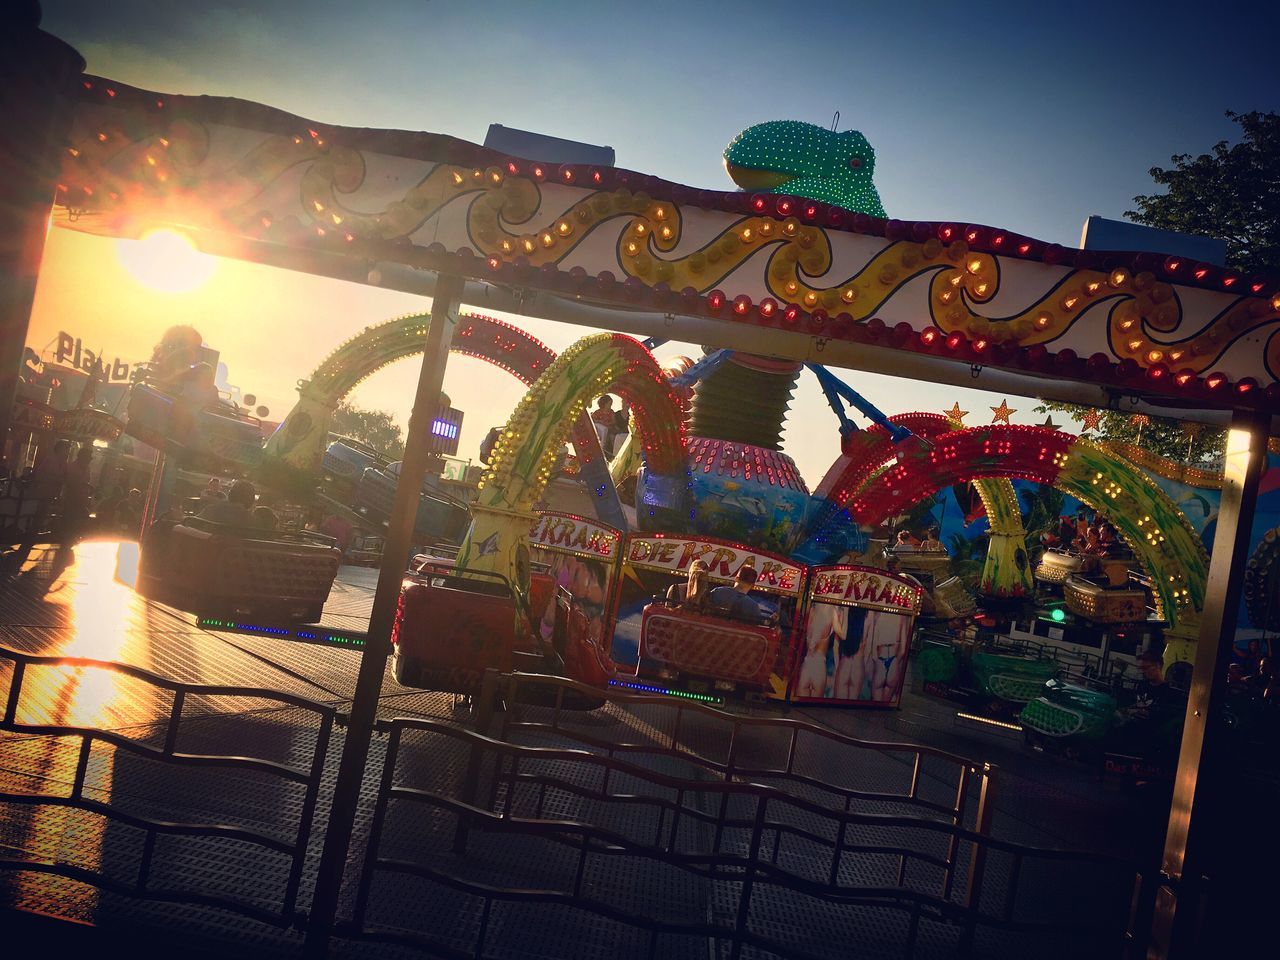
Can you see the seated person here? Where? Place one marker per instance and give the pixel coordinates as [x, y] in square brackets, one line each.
[264, 518]
[905, 539]
[931, 542]
[235, 510]
[734, 601]
[694, 594]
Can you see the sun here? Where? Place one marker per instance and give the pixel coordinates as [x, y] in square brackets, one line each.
[166, 260]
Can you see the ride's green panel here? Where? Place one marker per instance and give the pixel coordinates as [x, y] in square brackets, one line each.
[1009, 677]
[937, 664]
[1066, 710]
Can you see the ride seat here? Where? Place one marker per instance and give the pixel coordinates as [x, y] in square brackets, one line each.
[706, 646]
[449, 628]
[214, 569]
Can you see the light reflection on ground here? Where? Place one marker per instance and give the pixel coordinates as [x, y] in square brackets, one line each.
[103, 617]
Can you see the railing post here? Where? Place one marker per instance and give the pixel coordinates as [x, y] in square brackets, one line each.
[978, 858]
[1200, 802]
[373, 662]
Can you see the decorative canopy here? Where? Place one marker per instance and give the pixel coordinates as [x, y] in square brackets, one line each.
[769, 273]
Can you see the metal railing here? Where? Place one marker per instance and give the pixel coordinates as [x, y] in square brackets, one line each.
[755, 843]
[664, 806]
[308, 775]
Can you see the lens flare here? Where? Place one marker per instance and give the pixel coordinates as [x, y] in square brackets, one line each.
[166, 260]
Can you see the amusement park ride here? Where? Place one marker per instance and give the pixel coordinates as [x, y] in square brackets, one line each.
[705, 446]
[798, 269]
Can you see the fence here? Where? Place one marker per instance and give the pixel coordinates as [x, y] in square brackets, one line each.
[671, 848]
[166, 731]
[648, 827]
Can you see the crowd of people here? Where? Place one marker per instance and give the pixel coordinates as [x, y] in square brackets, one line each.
[927, 542]
[1090, 535]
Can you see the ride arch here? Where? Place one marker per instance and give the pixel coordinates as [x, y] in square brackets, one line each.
[1163, 541]
[524, 457]
[294, 451]
[866, 452]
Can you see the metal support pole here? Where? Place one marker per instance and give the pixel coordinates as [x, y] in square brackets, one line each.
[373, 662]
[38, 74]
[1198, 794]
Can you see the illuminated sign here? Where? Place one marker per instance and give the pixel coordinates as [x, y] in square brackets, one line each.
[865, 587]
[446, 428]
[674, 554]
[577, 535]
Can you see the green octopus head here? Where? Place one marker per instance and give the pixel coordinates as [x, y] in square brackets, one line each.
[805, 160]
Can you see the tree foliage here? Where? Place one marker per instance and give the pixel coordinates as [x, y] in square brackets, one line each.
[377, 428]
[1232, 193]
[1190, 443]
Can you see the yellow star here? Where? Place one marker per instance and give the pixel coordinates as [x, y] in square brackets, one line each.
[1002, 412]
[955, 414]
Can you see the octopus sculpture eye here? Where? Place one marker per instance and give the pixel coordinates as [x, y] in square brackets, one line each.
[855, 163]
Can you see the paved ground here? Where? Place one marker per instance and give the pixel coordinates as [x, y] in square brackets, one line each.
[75, 605]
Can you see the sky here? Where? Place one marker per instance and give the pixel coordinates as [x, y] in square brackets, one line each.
[1030, 117]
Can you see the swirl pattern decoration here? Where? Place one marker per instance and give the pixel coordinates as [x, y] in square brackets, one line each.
[246, 180]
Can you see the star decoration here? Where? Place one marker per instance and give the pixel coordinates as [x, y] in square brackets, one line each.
[1048, 422]
[956, 414]
[1091, 420]
[1002, 412]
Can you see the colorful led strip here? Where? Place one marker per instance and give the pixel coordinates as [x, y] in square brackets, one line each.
[349, 641]
[668, 692]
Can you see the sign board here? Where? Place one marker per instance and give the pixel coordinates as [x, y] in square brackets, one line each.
[577, 535]
[857, 634]
[865, 587]
[71, 351]
[87, 424]
[582, 557]
[673, 554]
[455, 469]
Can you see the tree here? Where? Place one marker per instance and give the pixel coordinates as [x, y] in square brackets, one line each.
[1232, 193]
[377, 428]
[1184, 442]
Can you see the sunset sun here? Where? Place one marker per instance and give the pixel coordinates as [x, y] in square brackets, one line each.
[166, 260]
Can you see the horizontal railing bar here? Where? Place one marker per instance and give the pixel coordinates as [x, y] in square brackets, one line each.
[702, 816]
[165, 683]
[881, 746]
[737, 771]
[902, 898]
[177, 759]
[496, 823]
[731, 787]
[172, 828]
[104, 882]
[885, 896]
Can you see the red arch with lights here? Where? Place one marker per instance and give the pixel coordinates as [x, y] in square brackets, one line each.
[1160, 536]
